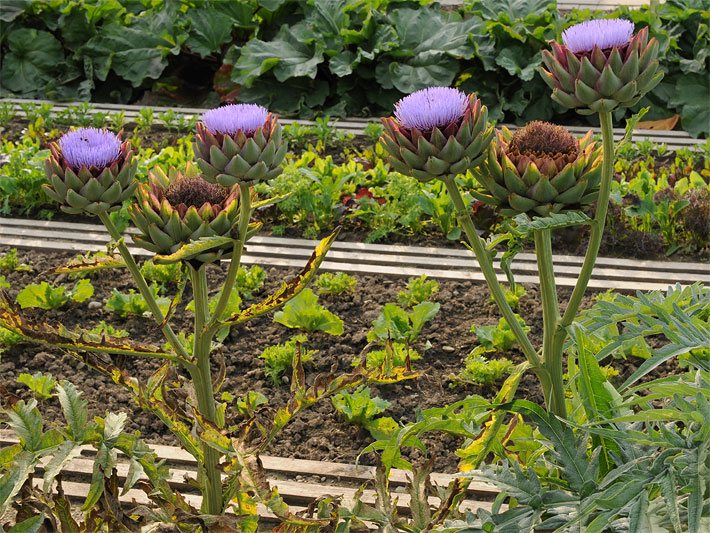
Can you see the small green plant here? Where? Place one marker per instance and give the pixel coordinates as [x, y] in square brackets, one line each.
[373, 131]
[279, 358]
[40, 384]
[132, 303]
[398, 325]
[513, 296]
[103, 329]
[303, 312]
[169, 274]
[359, 407]
[4, 284]
[47, 296]
[249, 281]
[144, 120]
[481, 370]
[400, 351]
[334, 284]
[7, 339]
[10, 262]
[498, 337]
[418, 290]
[7, 113]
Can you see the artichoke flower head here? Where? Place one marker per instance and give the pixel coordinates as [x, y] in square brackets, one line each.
[90, 171]
[437, 132]
[540, 169]
[239, 143]
[179, 208]
[601, 66]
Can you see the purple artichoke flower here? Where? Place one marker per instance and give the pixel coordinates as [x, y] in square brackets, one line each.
[603, 34]
[601, 66]
[90, 171]
[90, 147]
[239, 143]
[431, 107]
[232, 118]
[436, 133]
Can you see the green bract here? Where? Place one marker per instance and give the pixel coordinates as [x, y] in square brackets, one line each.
[90, 190]
[170, 217]
[439, 152]
[240, 158]
[602, 80]
[530, 181]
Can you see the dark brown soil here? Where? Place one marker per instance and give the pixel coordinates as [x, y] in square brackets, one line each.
[318, 433]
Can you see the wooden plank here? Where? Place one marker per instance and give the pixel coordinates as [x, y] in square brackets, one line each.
[335, 255]
[292, 467]
[381, 249]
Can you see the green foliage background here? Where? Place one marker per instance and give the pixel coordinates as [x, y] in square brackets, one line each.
[337, 57]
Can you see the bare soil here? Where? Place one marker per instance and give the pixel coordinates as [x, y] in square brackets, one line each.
[319, 433]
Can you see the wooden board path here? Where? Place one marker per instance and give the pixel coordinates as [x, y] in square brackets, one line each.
[334, 479]
[356, 126]
[390, 260]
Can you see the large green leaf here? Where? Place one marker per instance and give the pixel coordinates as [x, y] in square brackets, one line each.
[692, 96]
[11, 9]
[209, 30]
[75, 409]
[31, 60]
[285, 55]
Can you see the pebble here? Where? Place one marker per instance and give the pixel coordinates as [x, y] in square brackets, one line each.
[448, 349]
[400, 490]
[299, 477]
[323, 478]
[93, 304]
[285, 379]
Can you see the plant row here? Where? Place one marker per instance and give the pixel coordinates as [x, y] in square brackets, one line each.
[303, 57]
[660, 199]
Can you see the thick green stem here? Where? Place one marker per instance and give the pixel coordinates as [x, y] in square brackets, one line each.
[554, 397]
[202, 380]
[143, 287]
[228, 286]
[596, 233]
[484, 260]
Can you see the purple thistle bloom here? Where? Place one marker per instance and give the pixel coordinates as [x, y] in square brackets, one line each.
[90, 147]
[234, 117]
[431, 107]
[603, 34]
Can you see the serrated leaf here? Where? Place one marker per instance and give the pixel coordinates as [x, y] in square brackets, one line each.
[30, 525]
[75, 409]
[527, 226]
[66, 451]
[26, 421]
[195, 248]
[92, 265]
[13, 479]
[290, 288]
[40, 384]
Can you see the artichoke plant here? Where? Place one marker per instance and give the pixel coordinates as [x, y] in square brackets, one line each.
[177, 208]
[601, 66]
[239, 143]
[90, 171]
[437, 132]
[540, 169]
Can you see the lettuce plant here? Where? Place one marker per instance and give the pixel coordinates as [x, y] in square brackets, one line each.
[47, 296]
[280, 357]
[305, 313]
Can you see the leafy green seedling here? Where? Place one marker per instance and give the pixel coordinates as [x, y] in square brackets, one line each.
[8, 338]
[40, 384]
[132, 303]
[103, 329]
[4, 284]
[169, 274]
[303, 312]
[249, 281]
[418, 290]
[512, 296]
[46, 296]
[279, 358]
[480, 370]
[334, 284]
[398, 325]
[373, 131]
[10, 262]
[376, 358]
[358, 407]
[498, 337]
